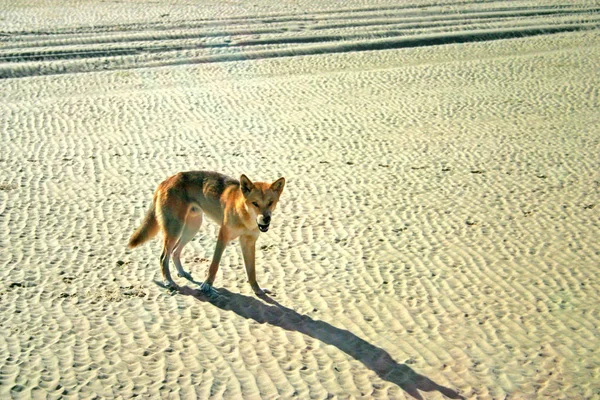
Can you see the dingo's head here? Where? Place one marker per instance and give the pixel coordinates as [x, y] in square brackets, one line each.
[261, 199]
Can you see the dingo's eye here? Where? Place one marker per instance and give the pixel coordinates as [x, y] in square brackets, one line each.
[255, 204]
[270, 204]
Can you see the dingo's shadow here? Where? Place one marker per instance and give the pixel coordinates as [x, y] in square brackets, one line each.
[374, 358]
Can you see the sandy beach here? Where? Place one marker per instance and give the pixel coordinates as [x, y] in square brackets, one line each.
[438, 236]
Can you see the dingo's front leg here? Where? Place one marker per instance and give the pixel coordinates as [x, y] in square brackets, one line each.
[248, 244]
[222, 241]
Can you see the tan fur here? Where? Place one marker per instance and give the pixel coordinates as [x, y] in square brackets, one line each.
[239, 207]
[147, 230]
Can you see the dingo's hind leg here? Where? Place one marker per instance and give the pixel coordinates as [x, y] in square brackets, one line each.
[190, 228]
[168, 245]
[171, 226]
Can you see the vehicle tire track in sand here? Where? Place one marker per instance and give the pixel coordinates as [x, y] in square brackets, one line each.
[86, 49]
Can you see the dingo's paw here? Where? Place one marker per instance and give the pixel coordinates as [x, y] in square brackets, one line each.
[208, 290]
[170, 285]
[186, 275]
[261, 291]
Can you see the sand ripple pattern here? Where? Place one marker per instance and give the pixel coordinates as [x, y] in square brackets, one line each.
[176, 42]
[437, 238]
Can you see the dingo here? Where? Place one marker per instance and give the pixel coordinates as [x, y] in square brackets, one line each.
[242, 209]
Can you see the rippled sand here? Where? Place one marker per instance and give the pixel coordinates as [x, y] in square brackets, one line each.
[437, 237]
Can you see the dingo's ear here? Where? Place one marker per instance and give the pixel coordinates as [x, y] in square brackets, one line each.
[278, 185]
[246, 184]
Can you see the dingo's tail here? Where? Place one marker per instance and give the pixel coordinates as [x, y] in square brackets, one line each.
[147, 230]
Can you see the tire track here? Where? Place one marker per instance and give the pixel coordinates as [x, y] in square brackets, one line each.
[106, 47]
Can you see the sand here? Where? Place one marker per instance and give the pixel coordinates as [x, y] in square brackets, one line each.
[437, 237]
